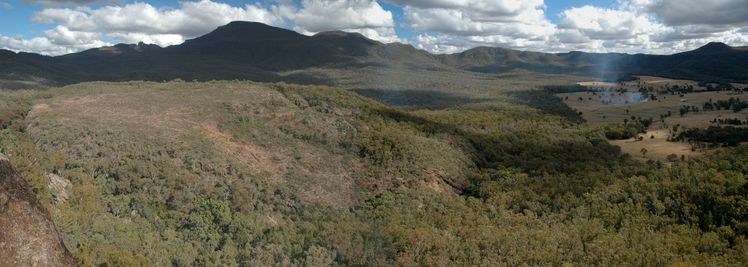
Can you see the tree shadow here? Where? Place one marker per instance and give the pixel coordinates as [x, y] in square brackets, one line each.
[416, 99]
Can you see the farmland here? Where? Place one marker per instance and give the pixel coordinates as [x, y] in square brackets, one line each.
[607, 103]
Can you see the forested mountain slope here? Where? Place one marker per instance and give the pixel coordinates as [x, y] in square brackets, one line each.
[258, 52]
[226, 173]
[714, 62]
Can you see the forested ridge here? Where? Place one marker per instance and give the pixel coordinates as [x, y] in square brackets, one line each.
[324, 176]
[259, 52]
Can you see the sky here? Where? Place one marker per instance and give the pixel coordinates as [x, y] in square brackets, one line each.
[55, 27]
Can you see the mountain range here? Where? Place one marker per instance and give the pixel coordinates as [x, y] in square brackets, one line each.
[255, 51]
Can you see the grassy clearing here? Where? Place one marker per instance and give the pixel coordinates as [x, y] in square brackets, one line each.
[659, 83]
[657, 148]
[596, 112]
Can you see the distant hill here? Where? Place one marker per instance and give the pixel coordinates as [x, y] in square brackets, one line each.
[712, 62]
[255, 51]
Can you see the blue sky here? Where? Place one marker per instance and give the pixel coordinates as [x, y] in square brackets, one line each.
[442, 26]
[553, 8]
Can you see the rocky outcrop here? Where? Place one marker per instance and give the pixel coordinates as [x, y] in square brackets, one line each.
[27, 235]
[59, 187]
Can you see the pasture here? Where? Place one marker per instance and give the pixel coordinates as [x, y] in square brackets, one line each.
[612, 105]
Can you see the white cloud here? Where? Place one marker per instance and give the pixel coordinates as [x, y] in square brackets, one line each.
[162, 40]
[56, 41]
[63, 36]
[633, 29]
[143, 22]
[486, 10]
[190, 20]
[43, 45]
[451, 26]
[443, 26]
[479, 17]
[6, 5]
[441, 43]
[363, 16]
[607, 24]
[633, 26]
[694, 12]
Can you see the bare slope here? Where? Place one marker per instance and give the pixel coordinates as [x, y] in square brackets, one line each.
[28, 236]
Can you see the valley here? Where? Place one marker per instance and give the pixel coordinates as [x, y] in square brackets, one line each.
[660, 100]
[230, 171]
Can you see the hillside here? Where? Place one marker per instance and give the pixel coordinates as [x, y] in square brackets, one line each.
[714, 62]
[28, 236]
[238, 50]
[258, 174]
[258, 52]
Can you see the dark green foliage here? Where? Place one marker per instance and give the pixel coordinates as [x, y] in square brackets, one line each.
[480, 184]
[726, 135]
[712, 62]
[626, 130]
[547, 101]
[416, 98]
[621, 131]
[730, 121]
[560, 89]
[734, 104]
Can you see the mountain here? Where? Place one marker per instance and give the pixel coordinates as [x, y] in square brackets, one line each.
[238, 50]
[495, 59]
[255, 51]
[712, 62]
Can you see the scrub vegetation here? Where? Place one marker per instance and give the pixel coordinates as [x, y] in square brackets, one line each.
[252, 174]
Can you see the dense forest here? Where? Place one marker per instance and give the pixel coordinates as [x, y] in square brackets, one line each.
[521, 180]
[716, 135]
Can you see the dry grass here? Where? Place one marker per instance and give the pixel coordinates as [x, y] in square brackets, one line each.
[191, 118]
[597, 113]
[648, 81]
[252, 155]
[658, 148]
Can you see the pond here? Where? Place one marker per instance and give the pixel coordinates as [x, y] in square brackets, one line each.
[619, 97]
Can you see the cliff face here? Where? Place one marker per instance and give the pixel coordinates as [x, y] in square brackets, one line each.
[27, 235]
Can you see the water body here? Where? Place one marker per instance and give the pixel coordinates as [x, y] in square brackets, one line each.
[619, 97]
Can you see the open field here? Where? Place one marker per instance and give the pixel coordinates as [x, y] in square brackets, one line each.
[596, 112]
[602, 107]
[657, 83]
[658, 148]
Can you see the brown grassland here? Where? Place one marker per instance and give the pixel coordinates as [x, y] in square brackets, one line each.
[596, 112]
